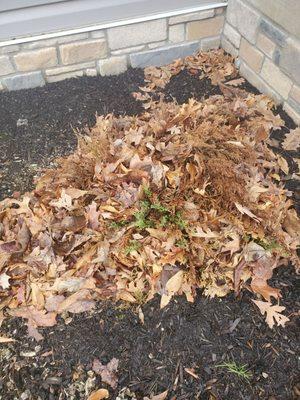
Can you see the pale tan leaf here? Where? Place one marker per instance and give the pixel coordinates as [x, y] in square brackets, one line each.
[99, 394]
[4, 339]
[245, 210]
[292, 140]
[273, 313]
[4, 281]
[175, 282]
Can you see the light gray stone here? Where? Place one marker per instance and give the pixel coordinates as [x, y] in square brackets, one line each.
[136, 34]
[6, 66]
[163, 56]
[62, 77]
[294, 104]
[228, 47]
[276, 78]
[232, 35]
[24, 81]
[178, 19]
[290, 59]
[9, 49]
[91, 72]
[244, 18]
[113, 66]
[87, 50]
[69, 68]
[210, 43]
[259, 83]
[273, 32]
[176, 33]
[36, 59]
[38, 44]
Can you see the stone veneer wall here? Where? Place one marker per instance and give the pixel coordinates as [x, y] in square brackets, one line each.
[265, 37]
[110, 51]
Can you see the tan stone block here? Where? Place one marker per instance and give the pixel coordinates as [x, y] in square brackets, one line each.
[38, 59]
[265, 45]
[276, 78]
[205, 28]
[232, 35]
[6, 66]
[87, 50]
[295, 93]
[252, 56]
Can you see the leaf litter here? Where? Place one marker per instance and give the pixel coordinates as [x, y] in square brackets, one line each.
[182, 197]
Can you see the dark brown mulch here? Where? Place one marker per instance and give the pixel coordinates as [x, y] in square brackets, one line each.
[153, 356]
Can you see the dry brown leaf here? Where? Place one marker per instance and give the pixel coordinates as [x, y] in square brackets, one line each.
[4, 281]
[107, 372]
[292, 140]
[99, 394]
[245, 210]
[160, 396]
[4, 339]
[273, 313]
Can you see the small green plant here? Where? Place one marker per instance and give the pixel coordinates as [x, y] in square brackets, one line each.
[182, 243]
[147, 191]
[239, 370]
[179, 221]
[118, 224]
[133, 245]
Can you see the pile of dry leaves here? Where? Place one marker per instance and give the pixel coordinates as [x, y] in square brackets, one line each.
[179, 198]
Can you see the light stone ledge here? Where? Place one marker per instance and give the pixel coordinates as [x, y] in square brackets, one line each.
[163, 56]
[24, 81]
[9, 49]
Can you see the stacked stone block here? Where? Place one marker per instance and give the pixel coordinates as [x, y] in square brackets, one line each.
[110, 51]
[268, 55]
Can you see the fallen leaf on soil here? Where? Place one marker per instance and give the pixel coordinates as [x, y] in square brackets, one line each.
[161, 396]
[273, 313]
[107, 372]
[292, 140]
[4, 339]
[99, 394]
[4, 280]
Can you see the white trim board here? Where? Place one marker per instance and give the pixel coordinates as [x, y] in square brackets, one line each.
[111, 24]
